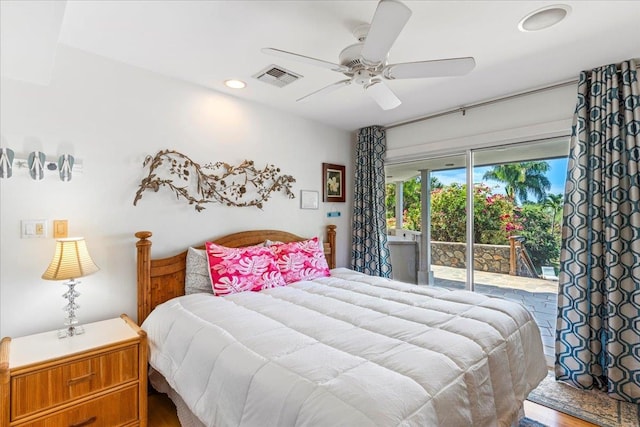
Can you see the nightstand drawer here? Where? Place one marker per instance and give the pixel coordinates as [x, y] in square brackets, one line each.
[46, 388]
[115, 409]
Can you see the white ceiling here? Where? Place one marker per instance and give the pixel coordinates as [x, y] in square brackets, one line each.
[206, 42]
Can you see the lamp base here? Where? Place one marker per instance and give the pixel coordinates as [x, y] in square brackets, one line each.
[72, 327]
[70, 331]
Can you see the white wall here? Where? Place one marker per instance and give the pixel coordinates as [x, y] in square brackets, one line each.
[110, 116]
[540, 115]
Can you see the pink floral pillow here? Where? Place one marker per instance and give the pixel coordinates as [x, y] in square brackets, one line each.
[301, 260]
[236, 270]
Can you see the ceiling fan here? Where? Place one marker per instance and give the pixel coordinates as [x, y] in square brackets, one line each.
[365, 62]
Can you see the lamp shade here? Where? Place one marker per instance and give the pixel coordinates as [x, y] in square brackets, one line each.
[71, 260]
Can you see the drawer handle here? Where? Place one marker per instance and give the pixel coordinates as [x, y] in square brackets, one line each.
[85, 422]
[77, 380]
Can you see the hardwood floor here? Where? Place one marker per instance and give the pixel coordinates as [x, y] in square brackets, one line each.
[552, 418]
[162, 413]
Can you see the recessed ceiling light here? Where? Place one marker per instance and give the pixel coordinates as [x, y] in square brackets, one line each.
[235, 84]
[544, 18]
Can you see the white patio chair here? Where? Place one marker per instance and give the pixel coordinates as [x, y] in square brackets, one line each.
[549, 273]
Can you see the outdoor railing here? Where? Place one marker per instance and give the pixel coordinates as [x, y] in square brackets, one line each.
[510, 259]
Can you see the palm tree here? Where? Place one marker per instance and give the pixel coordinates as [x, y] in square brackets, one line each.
[522, 178]
[555, 202]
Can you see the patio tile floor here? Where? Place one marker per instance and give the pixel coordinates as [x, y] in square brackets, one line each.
[539, 296]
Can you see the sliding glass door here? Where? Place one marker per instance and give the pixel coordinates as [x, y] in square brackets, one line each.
[517, 206]
[426, 205]
[448, 223]
[506, 201]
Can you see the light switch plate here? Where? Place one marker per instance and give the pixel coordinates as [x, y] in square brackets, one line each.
[60, 228]
[33, 229]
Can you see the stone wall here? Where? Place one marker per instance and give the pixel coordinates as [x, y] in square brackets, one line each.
[491, 258]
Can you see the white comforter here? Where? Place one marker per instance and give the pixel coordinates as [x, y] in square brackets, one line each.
[348, 350]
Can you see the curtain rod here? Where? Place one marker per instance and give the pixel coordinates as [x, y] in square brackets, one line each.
[464, 108]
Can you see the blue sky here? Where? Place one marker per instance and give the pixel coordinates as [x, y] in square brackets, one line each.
[557, 175]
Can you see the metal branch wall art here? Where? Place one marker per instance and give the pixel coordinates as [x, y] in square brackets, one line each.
[218, 182]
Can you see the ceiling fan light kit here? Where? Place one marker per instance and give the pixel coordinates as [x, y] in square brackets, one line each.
[365, 62]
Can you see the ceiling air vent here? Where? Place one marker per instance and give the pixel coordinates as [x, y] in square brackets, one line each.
[276, 76]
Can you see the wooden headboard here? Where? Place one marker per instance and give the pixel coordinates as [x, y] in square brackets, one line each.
[161, 279]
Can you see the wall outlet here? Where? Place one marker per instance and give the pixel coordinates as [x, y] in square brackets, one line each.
[33, 229]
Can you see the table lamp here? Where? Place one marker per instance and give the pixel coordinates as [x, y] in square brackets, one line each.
[70, 261]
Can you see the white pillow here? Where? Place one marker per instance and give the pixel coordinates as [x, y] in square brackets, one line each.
[197, 279]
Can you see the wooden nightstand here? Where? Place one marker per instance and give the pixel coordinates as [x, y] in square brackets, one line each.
[96, 379]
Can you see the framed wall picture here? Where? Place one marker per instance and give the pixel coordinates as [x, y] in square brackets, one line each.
[309, 199]
[333, 183]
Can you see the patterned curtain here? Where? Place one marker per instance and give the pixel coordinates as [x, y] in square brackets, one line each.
[370, 253]
[598, 325]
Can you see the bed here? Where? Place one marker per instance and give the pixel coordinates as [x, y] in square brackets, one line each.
[348, 349]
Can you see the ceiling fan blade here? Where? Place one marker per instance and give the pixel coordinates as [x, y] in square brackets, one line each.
[388, 20]
[436, 68]
[305, 59]
[326, 89]
[381, 93]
